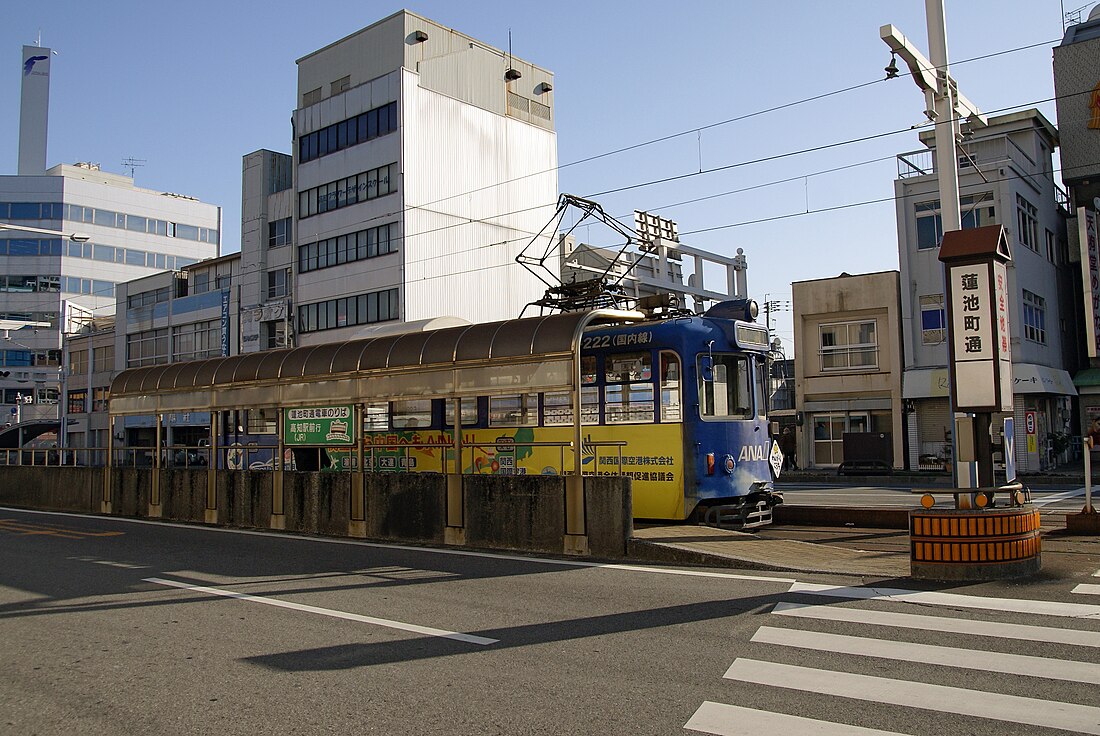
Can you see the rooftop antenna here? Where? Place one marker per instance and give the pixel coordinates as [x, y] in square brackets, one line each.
[511, 74]
[132, 163]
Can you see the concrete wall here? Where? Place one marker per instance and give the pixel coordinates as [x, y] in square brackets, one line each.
[525, 513]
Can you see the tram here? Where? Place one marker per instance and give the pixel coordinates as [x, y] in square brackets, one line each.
[675, 401]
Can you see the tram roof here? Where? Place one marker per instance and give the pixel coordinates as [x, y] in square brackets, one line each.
[455, 360]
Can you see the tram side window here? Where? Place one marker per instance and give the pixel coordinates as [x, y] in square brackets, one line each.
[469, 411]
[557, 407]
[625, 403]
[521, 410]
[724, 382]
[670, 387]
[628, 395]
[261, 421]
[376, 417]
[412, 413]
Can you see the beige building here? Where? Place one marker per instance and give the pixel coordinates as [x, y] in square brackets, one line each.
[848, 368]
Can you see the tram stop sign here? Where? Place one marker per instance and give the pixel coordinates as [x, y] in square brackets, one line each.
[978, 312]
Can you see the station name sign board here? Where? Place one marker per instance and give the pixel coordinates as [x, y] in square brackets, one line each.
[978, 315]
[324, 426]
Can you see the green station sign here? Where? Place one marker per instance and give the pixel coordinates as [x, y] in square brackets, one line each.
[327, 426]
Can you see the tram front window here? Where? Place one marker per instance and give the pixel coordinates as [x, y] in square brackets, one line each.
[724, 386]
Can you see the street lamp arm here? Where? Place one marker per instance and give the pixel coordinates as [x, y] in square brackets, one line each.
[75, 237]
[925, 74]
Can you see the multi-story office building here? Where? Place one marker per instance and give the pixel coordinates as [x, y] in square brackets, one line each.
[1005, 177]
[1077, 89]
[116, 232]
[423, 162]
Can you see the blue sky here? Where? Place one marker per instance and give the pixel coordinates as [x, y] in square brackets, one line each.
[192, 87]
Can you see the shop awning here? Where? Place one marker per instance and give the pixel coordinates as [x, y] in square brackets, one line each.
[1029, 378]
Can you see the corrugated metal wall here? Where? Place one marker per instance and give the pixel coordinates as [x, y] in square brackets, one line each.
[471, 206]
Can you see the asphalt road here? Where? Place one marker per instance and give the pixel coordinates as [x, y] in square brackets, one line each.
[1049, 500]
[111, 627]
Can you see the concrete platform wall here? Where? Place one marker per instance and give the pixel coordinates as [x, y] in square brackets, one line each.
[524, 513]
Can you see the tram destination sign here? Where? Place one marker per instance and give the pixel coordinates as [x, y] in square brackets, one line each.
[326, 426]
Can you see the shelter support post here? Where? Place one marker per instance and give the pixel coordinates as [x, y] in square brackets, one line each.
[105, 502]
[158, 465]
[576, 535]
[455, 530]
[278, 471]
[211, 514]
[357, 521]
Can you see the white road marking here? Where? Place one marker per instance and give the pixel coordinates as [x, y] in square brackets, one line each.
[286, 536]
[470, 638]
[953, 600]
[1050, 498]
[1087, 589]
[969, 659]
[733, 720]
[941, 698]
[109, 563]
[1024, 632]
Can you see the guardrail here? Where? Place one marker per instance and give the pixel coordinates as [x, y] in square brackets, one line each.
[247, 457]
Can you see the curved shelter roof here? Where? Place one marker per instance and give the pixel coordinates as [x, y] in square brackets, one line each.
[491, 358]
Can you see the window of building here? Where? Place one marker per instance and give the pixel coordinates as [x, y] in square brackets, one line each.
[312, 97]
[376, 306]
[279, 232]
[352, 131]
[100, 397]
[78, 362]
[103, 359]
[933, 319]
[278, 283]
[197, 340]
[340, 85]
[1027, 223]
[975, 211]
[77, 402]
[1035, 317]
[145, 298]
[200, 282]
[376, 241]
[149, 347]
[848, 345]
[1050, 246]
[348, 191]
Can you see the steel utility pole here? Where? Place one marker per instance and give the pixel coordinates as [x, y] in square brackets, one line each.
[945, 106]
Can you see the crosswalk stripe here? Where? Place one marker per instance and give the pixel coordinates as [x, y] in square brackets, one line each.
[733, 720]
[954, 600]
[941, 698]
[1024, 632]
[1087, 589]
[969, 659]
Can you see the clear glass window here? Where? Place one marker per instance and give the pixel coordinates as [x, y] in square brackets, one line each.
[625, 367]
[469, 411]
[521, 410]
[628, 403]
[724, 382]
[376, 417]
[412, 413]
[670, 387]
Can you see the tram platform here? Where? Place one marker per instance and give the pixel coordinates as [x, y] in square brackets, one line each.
[862, 552]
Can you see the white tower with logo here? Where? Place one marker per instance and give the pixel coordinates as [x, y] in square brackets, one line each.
[34, 108]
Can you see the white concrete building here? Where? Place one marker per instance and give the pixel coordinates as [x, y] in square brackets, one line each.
[424, 162]
[69, 235]
[130, 232]
[1005, 177]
